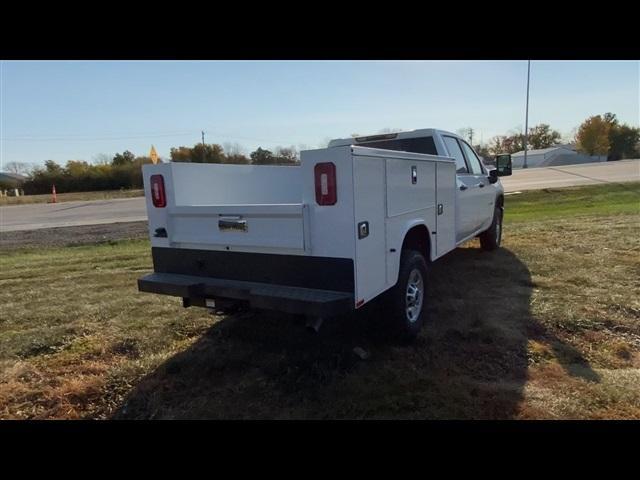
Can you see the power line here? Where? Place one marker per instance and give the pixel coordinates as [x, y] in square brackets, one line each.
[91, 139]
[82, 138]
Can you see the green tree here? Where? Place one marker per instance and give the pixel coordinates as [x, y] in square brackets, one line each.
[207, 153]
[262, 157]
[543, 136]
[237, 158]
[125, 158]
[623, 139]
[76, 168]
[52, 167]
[593, 136]
[610, 118]
[199, 153]
[180, 154]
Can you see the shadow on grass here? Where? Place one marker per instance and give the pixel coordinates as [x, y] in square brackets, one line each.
[469, 362]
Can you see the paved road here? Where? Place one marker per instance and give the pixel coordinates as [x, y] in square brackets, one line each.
[69, 214]
[36, 216]
[573, 175]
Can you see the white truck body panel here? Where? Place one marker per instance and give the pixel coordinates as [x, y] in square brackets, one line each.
[331, 227]
[371, 251]
[446, 218]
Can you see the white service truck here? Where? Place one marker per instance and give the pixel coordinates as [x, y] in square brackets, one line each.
[360, 218]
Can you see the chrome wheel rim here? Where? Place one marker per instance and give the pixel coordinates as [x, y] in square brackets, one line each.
[414, 295]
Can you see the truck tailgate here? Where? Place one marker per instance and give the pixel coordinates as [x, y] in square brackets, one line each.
[276, 226]
[247, 208]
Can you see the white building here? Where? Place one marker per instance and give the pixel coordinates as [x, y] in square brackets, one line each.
[553, 156]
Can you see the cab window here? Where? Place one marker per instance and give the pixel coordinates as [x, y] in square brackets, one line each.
[413, 145]
[455, 152]
[472, 159]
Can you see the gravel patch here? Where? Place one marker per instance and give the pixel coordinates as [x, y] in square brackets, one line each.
[72, 236]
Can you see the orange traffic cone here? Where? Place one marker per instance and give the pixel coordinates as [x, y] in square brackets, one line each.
[54, 199]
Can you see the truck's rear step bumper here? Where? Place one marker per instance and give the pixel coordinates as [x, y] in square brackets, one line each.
[295, 300]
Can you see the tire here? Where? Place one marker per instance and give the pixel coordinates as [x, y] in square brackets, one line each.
[406, 301]
[491, 238]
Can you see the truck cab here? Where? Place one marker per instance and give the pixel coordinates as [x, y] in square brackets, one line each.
[361, 218]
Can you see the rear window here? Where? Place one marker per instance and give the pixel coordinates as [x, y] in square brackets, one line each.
[413, 145]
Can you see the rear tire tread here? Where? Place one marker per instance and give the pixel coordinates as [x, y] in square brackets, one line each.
[491, 238]
[402, 329]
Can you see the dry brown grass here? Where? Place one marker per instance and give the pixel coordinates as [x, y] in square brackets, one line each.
[547, 327]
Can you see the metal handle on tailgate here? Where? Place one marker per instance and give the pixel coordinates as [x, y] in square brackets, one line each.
[226, 224]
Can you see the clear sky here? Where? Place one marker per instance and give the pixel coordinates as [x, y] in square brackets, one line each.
[77, 110]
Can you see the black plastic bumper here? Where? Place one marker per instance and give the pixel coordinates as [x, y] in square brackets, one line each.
[296, 300]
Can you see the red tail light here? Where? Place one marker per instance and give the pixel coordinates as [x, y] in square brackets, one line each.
[157, 191]
[326, 189]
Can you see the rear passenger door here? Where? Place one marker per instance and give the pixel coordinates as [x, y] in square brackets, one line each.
[466, 191]
[485, 195]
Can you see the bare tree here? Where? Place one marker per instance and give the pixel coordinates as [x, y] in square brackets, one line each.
[466, 133]
[286, 155]
[19, 168]
[102, 159]
[233, 149]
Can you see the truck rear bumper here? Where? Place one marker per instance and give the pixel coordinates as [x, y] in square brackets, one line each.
[296, 300]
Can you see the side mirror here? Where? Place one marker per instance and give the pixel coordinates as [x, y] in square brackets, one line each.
[493, 176]
[503, 165]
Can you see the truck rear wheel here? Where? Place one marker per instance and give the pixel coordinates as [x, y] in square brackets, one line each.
[408, 297]
[491, 238]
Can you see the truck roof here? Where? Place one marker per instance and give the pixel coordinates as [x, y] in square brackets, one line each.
[422, 132]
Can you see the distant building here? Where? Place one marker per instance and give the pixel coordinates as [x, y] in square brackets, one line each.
[554, 156]
[11, 180]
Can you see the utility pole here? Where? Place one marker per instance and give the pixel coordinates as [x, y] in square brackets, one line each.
[526, 117]
[203, 152]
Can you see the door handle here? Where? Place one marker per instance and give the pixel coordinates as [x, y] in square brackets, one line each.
[481, 185]
[463, 187]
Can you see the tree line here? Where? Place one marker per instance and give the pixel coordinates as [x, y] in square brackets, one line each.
[597, 135]
[214, 153]
[123, 170]
[601, 135]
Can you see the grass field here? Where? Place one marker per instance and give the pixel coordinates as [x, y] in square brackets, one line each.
[73, 196]
[546, 327]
